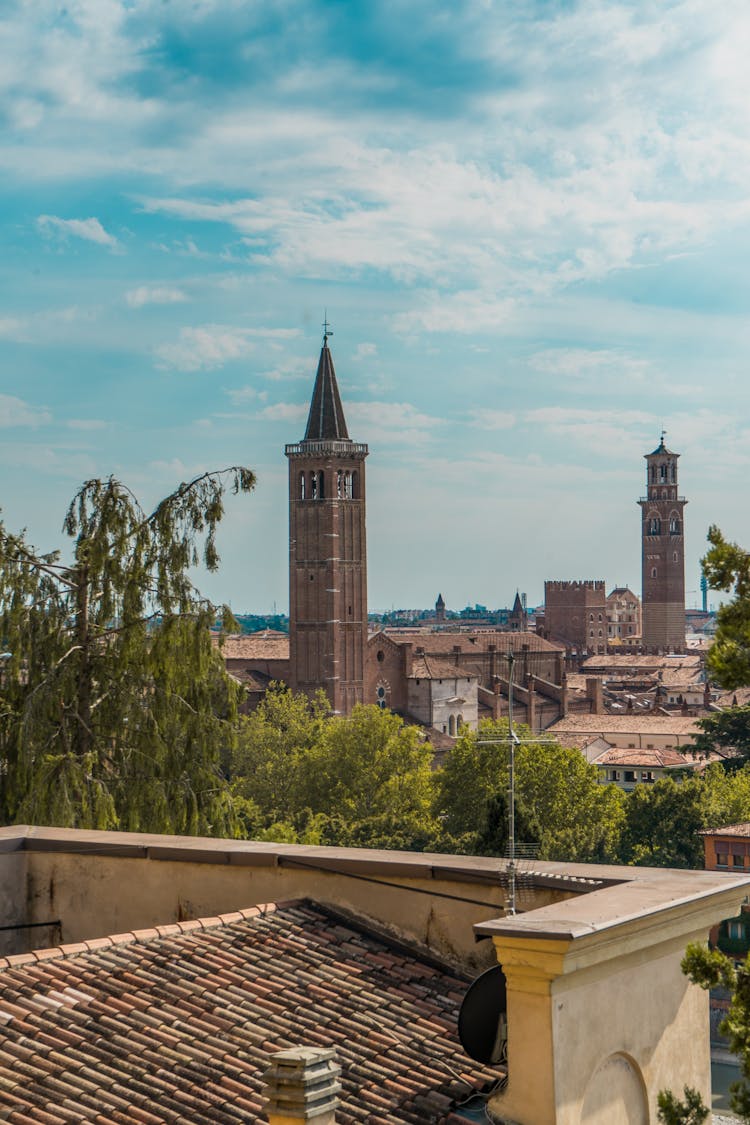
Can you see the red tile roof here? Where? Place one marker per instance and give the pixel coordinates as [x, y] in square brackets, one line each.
[742, 829]
[445, 642]
[175, 1024]
[269, 645]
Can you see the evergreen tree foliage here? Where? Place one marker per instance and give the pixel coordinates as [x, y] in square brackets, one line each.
[727, 568]
[116, 708]
[722, 731]
[711, 969]
[673, 1111]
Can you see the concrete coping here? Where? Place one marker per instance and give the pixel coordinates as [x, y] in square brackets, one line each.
[487, 870]
[678, 902]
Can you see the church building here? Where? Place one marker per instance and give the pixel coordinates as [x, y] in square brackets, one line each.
[327, 550]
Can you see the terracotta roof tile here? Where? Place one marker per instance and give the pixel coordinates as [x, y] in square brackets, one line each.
[175, 1024]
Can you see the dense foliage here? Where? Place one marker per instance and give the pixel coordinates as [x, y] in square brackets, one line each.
[727, 568]
[116, 707]
[711, 969]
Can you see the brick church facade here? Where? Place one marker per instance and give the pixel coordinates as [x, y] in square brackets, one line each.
[327, 551]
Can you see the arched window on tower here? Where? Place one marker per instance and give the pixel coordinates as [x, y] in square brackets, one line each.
[302, 486]
[313, 486]
[653, 474]
[348, 485]
[339, 484]
[653, 526]
[662, 472]
[653, 572]
[673, 473]
[674, 524]
[321, 485]
[355, 485]
[452, 726]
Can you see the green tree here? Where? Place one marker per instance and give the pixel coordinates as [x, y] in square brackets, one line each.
[725, 730]
[711, 969]
[559, 800]
[727, 568]
[662, 821]
[116, 707]
[691, 1111]
[301, 774]
[272, 745]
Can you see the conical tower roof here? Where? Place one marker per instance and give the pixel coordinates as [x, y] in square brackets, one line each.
[326, 420]
[517, 604]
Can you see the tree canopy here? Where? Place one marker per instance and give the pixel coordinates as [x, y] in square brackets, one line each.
[727, 568]
[116, 707]
[299, 773]
[560, 804]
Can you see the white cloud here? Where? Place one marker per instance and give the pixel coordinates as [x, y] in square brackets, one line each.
[609, 433]
[212, 345]
[586, 362]
[154, 295]
[91, 230]
[492, 419]
[86, 424]
[15, 412]
[13, 328]
[365, 351]
[284, 412]
[390, 422]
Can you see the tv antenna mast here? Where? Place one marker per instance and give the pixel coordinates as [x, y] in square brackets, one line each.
[513, 741]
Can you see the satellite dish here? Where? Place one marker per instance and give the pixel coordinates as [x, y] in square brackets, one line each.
[483, 1021]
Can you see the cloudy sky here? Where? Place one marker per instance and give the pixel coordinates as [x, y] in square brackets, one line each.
[529, 224]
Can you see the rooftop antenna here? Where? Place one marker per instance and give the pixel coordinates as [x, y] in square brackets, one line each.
[513, 741]
[327, 330]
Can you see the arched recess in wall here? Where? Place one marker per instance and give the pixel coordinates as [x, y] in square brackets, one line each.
[616, 1093]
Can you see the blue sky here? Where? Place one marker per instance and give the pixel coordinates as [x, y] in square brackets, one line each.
[529, 224]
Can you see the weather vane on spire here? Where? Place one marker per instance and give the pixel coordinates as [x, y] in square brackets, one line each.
[663, 435]
[327, 330]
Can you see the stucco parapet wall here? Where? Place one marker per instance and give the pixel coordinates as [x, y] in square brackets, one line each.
[651, 906]
[574, 878]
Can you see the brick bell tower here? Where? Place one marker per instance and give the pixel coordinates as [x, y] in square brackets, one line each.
[663, 554]
[327, 550]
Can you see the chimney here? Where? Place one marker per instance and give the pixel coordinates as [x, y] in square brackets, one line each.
[302, 1085]
[595, 695]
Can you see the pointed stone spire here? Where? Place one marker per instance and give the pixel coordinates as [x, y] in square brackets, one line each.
[517, 605]
[326, 420]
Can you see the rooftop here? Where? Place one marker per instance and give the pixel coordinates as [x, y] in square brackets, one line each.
[601, 724]
[433, 668]
[268, 645]
[445, 641]
[742, 829]
[175, 1024]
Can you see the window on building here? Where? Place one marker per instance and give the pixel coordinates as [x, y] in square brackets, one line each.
[380, 656]
[736, 930]
[722, 855]
[452, 726]
[654, 526]
[313, 486]
[662, 472]
[302, 486]
[630, 775]
[674, 525]
[738, 860]
[355, 485]
[653, 572]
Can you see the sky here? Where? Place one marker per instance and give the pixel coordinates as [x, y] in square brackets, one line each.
[527, 223]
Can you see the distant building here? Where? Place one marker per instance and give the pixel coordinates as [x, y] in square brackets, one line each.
[517, 616]
[440, 610]
[623, 617]
[327, 551]
[575, 614]
[663, 554]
